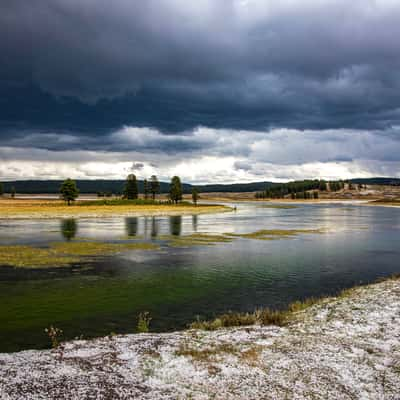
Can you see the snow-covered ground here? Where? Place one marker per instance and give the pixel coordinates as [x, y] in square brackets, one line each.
[342, 348]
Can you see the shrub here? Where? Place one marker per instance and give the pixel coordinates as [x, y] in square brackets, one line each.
[143, 322]
[54, 334]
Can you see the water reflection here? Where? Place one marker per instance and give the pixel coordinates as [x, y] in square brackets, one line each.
[154, 227]
[69, 227]
[194, 222]
[131, 226]
[151, 227]
[175, 225]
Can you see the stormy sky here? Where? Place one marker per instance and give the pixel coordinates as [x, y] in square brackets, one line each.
[211, 90]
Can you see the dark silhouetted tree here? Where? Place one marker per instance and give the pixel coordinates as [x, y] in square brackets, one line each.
[322, 185]
[1, 189]
[68, 190]
[131, 187]
[175, 189]
[12, 192]
[146, 189]
[195, 195]
[154, 186]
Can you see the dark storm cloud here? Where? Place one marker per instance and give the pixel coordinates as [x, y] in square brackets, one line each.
[86, 68]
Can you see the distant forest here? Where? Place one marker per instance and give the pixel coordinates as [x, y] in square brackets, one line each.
[116, 186]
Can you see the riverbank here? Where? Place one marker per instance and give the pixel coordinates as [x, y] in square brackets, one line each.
[22, 209]
[347, 347]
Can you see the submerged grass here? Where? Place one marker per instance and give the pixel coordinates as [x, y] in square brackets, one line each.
[31, 257]
[98, 248]
[62, 254]
[202, 239]
[282, 206]
[195, 239]
[273, 234]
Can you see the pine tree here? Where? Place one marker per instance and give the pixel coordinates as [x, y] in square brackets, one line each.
[131, 187]
[195, 195]
[322, 185]
[154, 186]
[68, 190]
[146, 189]
[175, 189]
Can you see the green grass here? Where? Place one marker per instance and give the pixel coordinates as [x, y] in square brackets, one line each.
[266, 316]
[262, 316]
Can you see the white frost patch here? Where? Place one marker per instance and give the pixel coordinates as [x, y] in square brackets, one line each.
[345, 348]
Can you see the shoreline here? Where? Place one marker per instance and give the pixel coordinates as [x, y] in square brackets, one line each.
[340, 347]
[46, 210]
[357, 202]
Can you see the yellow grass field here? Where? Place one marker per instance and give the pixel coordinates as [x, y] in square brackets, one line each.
[32, 208]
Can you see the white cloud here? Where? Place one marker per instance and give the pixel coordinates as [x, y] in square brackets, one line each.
[217, 155]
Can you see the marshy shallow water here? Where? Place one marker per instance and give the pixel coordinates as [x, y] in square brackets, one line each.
[334, 246]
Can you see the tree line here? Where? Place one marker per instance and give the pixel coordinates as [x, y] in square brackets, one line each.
[12, 191]
[305, 189]
[69, 190]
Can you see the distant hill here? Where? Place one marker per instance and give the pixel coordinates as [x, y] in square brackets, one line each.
[116, 186]
[377, 181]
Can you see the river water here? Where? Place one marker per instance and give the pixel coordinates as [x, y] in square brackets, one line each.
[176, 285]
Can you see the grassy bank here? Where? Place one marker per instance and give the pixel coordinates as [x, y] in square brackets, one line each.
[266, 316]
[100, 208]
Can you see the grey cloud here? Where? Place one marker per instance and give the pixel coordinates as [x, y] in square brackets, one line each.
[244, 165]
[148, 146]
[137, 166]
[272, 60]
[258, 81]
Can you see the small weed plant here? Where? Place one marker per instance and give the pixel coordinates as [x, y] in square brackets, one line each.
[143, 322]
[54, 335]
